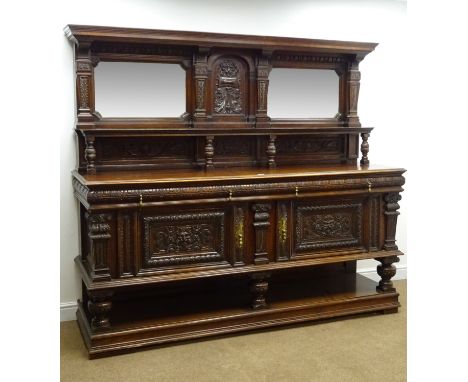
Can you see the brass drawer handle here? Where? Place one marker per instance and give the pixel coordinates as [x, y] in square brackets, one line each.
[230, 195]
[369, 186]
[141, 200]
[297, 191]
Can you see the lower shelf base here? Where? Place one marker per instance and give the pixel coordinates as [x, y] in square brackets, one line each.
[355, 296]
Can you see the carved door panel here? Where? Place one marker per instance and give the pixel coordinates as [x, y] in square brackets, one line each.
[187, 237]
[327, 225]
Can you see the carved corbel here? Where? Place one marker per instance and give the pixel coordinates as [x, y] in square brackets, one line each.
[200, 60]
[263, 71]
[99, 235]
[354, 78]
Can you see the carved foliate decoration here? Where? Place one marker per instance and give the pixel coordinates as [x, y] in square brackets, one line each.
[328, 226]
[308, 145]
[307, 58]
[174, 193]
[99, 233]
[228, 98]
[84, 89]
[261, 224]
[137, 148]
[140, 49]
[183, 239]
[200, 93]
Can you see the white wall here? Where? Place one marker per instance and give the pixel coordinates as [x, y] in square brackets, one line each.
[382, 103]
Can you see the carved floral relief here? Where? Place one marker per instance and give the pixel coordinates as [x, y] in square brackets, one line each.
[228, 98]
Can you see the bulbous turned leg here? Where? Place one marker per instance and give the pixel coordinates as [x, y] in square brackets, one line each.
[259, 289]
[386, 270]
[100, 305]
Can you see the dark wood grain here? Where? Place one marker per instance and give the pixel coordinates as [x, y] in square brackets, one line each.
[223, 219]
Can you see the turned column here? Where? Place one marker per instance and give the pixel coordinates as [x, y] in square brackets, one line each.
[386, 270]
[271, 151]
[99, 306]
[365, 149]
[90, 154]
[209, 152]
[259, 289]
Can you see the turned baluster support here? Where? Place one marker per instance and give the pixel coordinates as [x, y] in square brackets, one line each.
[386, 270]
[99, 306]
[209, 152]
[259, 289]
[365, 149]
[271, 151]
[90, 155]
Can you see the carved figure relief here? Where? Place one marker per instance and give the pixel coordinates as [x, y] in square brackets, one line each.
[228, 99]
[183, 238]
[328, 226]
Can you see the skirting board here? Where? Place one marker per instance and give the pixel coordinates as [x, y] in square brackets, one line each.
[68, 309]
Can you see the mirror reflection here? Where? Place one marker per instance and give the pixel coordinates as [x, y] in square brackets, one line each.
[303, 93]
[140, 90]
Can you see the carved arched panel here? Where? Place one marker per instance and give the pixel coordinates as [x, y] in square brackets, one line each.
[229, 83]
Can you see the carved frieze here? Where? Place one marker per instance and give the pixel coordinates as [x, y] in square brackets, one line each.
[309, 145]
[307, 58]
[228, 97]
[173, 193]
[140, 49]
[241, 146]
[328, 226]
[185, 238]
[137, 148]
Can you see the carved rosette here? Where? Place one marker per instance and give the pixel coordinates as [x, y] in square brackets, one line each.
[261, 224]
[227, 96]
[99, 234]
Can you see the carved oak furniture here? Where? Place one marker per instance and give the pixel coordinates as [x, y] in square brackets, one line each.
[223, 219]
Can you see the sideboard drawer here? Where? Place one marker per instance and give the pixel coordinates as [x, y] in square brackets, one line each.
[325, 225]
[183, 238]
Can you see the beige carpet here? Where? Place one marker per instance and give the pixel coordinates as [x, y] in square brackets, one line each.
[371, 348]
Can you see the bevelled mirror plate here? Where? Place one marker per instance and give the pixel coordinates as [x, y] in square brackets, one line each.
[303, 93]
[139, 90]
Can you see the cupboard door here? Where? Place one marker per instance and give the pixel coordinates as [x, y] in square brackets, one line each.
[327, 225]
[181, 237]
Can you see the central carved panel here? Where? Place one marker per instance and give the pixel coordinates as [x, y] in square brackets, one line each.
[228, 97]
[328, 226]
[186, 238]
